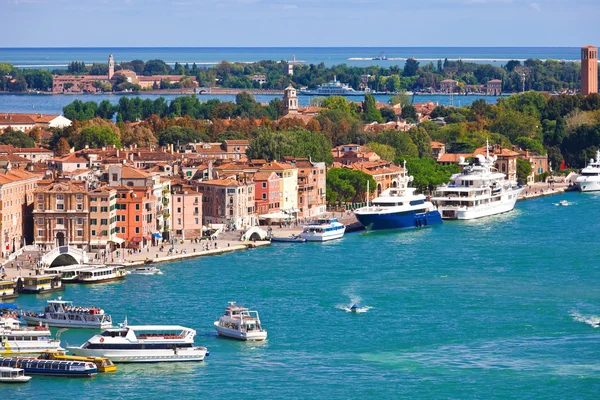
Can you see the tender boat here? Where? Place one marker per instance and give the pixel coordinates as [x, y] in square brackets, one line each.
[102, 275]
[51, 367]
[480, 190]
[563, 203]
[290, 239]
[589, 179]
[333, 88]
[398, 208]
[103, 364]
[37, 284]
[15, 339]
[7, 290]
[240, 323]
[146, 271]
[13, 375]
[144, 343]
[63, 314]
[323, 230]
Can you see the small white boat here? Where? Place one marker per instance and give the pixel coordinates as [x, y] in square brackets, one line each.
[323, 230]
[563, 203]
[289, 239]
[240, 323]
[13, 375]
[145, 271]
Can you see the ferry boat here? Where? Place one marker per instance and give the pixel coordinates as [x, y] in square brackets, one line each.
[103, 364]
[51, 367]
[13, 375]
[63, 314]
[398, 208]
[37, 284]
[323, 230]
[478, 191]
[102, 274]
[7, 290]
[143, 343]
[240, 323]
[15, 339]
[333, 88]
[70, 273]
[145, 271]
[589, 179]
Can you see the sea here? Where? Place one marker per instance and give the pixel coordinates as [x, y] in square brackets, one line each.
[500, 307]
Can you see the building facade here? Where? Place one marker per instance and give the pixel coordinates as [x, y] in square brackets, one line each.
[229, 202]
[186, 214]
[103, 219]
[288, 186]
[136, 216]
[589, 70]
[266, 192]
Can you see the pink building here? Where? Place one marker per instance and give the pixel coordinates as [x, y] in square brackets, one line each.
[186, 212]
[267, 188]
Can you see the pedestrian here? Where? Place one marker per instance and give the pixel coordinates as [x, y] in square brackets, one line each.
[18, 267]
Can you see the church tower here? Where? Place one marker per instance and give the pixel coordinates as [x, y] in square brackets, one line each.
[290, 101]
[111, 66]
[589, 70]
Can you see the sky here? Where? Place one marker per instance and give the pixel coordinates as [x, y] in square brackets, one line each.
[298, 23]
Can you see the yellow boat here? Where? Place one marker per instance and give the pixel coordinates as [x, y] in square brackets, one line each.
[103, 364]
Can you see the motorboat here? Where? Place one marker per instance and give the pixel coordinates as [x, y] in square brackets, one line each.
[589, 179]
[145, 271]
[563, 203]
[63, 314]
[480, 190]
[289, 239]
[13, 375]
[102, 274]
[51, 367]
[143, 343]
[333, 88]
[37, 284]
[7, 290]
[397, 208]
[323, 230]
[70, 273]
[356, 308]
[240, 323]
[15, 339]
[103, 364]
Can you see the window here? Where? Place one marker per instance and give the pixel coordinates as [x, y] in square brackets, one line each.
[79, 221]
[80, 232]
[40, 197]
[196, 221]
[179, 221]
[231, 211]
[93, 221]
[115, 177]
[231, 200]
[40, 206]
[264, 185]
[79, 207]
[93, 209]
[122, 229]
[40, 221]
[137, 218]
[104, 221]
[93, 232]
[179, 199]
[40, 232]
[137, 206]
[179, 210]
[105, 199]
[195, 210]
[137, 230]
[60, 206]
[79, 196]
[104, 209]
[60, 197]
[93, 199]
[60, 221]
[264, 196]
[122, 218]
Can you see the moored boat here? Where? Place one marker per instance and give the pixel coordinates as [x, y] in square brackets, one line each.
[13, 375]
[323, 230]
[63, 314]
[103, 364]
[70, 273]
[102, 275]
[37, 284]
[289, 239]
[589, 179]
[240, 323]
[7, 290]
[333, 88]
[143, 343]
[15, 339]
[51, 367]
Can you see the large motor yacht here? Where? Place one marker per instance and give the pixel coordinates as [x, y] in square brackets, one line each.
[240, 323]
[323, 230]
[15, 339]
[398, 208]
[478, 191]
[64, 314]
[333, 88]
[143, 343]
[589, 179]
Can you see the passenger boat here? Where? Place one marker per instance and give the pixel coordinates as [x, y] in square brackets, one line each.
[240, 323]
[37, 284]
[70, 273]
[7, 290]
[15, 339]
[13, 375]
[51, 367]
[101, 275]
[144, 343]
[323, 230]
[398, 208]
[63, 314]
[333, 88]
[478, 191]
[290, 239]
[589, 179]
[103, 364]
[146, 271]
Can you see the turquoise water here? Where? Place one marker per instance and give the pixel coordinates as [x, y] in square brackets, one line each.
[493, 308]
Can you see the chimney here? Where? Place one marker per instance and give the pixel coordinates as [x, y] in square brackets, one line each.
[117, 152]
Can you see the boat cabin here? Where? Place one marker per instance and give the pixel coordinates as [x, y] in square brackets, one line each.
[11, 373]
[40, 283]
[7, 290]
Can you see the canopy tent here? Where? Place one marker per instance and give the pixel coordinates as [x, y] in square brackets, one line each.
[7, 306]
[117, 240]
[275, 215]
[157, 235]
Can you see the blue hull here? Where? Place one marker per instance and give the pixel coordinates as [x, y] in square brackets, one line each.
[400, 220]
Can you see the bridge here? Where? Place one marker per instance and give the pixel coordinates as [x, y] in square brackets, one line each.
[254, 233]
[65, 255]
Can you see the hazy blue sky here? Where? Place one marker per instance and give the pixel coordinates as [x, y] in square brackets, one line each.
[85, 23]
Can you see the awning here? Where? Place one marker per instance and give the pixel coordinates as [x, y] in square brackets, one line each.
[136, 239]
[157, 235]
[275, 215]
[6, 306]
[148, 237]
[117, 240]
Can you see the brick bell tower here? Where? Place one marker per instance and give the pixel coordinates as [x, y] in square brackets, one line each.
[589, 70]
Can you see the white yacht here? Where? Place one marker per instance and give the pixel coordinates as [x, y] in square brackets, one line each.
[323, 230]
[240, 323]
[13, 375]
[589, 179]
[398, 208]
[15, 339]
[63, 314]
[143, 343]
[478, 191]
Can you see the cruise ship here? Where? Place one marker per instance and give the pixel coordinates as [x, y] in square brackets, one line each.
[143, 343]
[333, 88]
[398, 208]
[478, 191]
[589, 179]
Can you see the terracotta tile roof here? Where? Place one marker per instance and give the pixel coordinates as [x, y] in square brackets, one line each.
[7, 148]
[437, 145]
[21, 119]
[240, 142]
[42, 118]
[222, 182]
[14, 158]
[496, 150]
[452, 158]
[276, 166]
[16, 175]
[63, 187]
[264, 175]
[71, 158]
[133, 173]
[32, 150]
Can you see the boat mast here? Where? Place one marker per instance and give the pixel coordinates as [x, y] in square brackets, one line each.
[367, 193]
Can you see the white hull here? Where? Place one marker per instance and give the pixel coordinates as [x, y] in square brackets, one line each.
[323, 237]
[20, 379]
[588, 185]
[236, 334]
[33, 321]
[142, 356]
[22, 347]
[485, 210]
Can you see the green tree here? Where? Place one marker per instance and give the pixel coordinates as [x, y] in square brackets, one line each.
[339, 103]
[386, 152]
[370, 111]
[400, 141]
[105, 110]
[80, 111]
[410, 67]
[401, 99]
[138, 135]
[96, 136]
[421, 139]
[269, 145]
[428, 174]
[523, 171]
[409, 113]
[156, 67]
[17, 139]
[180, 135]
[347, 185]
[514, 124]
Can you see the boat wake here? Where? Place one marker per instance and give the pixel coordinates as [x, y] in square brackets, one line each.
[592, 320]
[354, 300]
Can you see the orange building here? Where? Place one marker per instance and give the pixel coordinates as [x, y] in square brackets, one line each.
[136, 215]
[589, 70]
